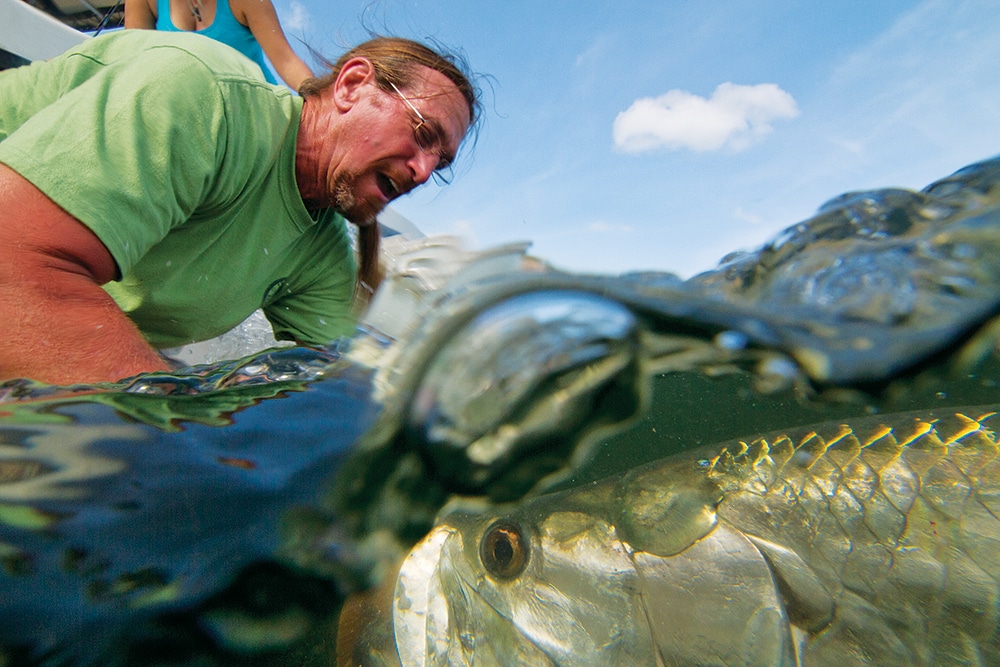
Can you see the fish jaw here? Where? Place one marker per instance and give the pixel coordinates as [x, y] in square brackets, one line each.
[419, 612]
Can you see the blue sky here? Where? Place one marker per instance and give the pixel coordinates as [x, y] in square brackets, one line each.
[661, 135]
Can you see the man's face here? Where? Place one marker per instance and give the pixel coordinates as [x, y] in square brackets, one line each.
[393, 141]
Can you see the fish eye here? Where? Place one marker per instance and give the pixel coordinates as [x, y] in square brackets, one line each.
[504, 550]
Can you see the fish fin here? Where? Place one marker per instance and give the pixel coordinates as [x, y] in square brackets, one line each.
[807, 601]
[861, 629]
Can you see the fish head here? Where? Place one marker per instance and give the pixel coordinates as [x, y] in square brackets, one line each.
[549, 584]
[497, 589]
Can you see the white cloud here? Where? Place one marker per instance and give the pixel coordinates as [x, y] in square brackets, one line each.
[734, 117]
[297, 18]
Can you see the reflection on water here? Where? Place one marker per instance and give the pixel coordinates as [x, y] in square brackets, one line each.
[131, 502]
[228, 513]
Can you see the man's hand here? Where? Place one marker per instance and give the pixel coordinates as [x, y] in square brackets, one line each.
[58, 325]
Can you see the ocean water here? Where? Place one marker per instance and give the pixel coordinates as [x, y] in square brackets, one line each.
[226, 513]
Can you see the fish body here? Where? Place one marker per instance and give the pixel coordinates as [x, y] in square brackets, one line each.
[868, 542]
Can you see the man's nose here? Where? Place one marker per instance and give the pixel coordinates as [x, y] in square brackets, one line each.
[423, 166]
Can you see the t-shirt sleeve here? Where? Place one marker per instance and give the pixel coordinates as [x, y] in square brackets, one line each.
[131, 152]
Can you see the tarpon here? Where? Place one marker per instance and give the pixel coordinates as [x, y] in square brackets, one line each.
[874, 541]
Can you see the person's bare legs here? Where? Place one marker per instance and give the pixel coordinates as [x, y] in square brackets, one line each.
[57, 324]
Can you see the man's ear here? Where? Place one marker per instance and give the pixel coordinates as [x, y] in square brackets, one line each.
[354, 75]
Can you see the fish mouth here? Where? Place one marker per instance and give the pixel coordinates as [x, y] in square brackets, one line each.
[420, 620]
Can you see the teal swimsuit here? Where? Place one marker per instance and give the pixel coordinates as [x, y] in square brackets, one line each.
[225, 28]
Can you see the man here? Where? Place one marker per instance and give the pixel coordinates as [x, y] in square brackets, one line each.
[154, 191]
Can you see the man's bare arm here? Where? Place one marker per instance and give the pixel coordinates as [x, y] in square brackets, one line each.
[58, 325]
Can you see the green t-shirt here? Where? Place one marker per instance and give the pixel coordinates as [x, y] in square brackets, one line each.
[176, 153]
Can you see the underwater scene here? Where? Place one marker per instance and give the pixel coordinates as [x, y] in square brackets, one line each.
[790, 459]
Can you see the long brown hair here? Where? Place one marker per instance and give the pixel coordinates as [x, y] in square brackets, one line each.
[394, 60]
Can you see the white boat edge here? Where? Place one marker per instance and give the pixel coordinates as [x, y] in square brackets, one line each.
[32, 34]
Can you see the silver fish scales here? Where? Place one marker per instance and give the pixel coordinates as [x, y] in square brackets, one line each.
[899, 525]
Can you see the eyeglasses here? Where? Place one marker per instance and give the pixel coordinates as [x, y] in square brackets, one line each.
[428, 140]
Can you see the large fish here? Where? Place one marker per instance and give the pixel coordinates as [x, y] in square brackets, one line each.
[874, 541]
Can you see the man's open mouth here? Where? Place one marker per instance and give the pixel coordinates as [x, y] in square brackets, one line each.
[387, 186]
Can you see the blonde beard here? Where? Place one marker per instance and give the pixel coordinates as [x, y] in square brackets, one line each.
[346, 203]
